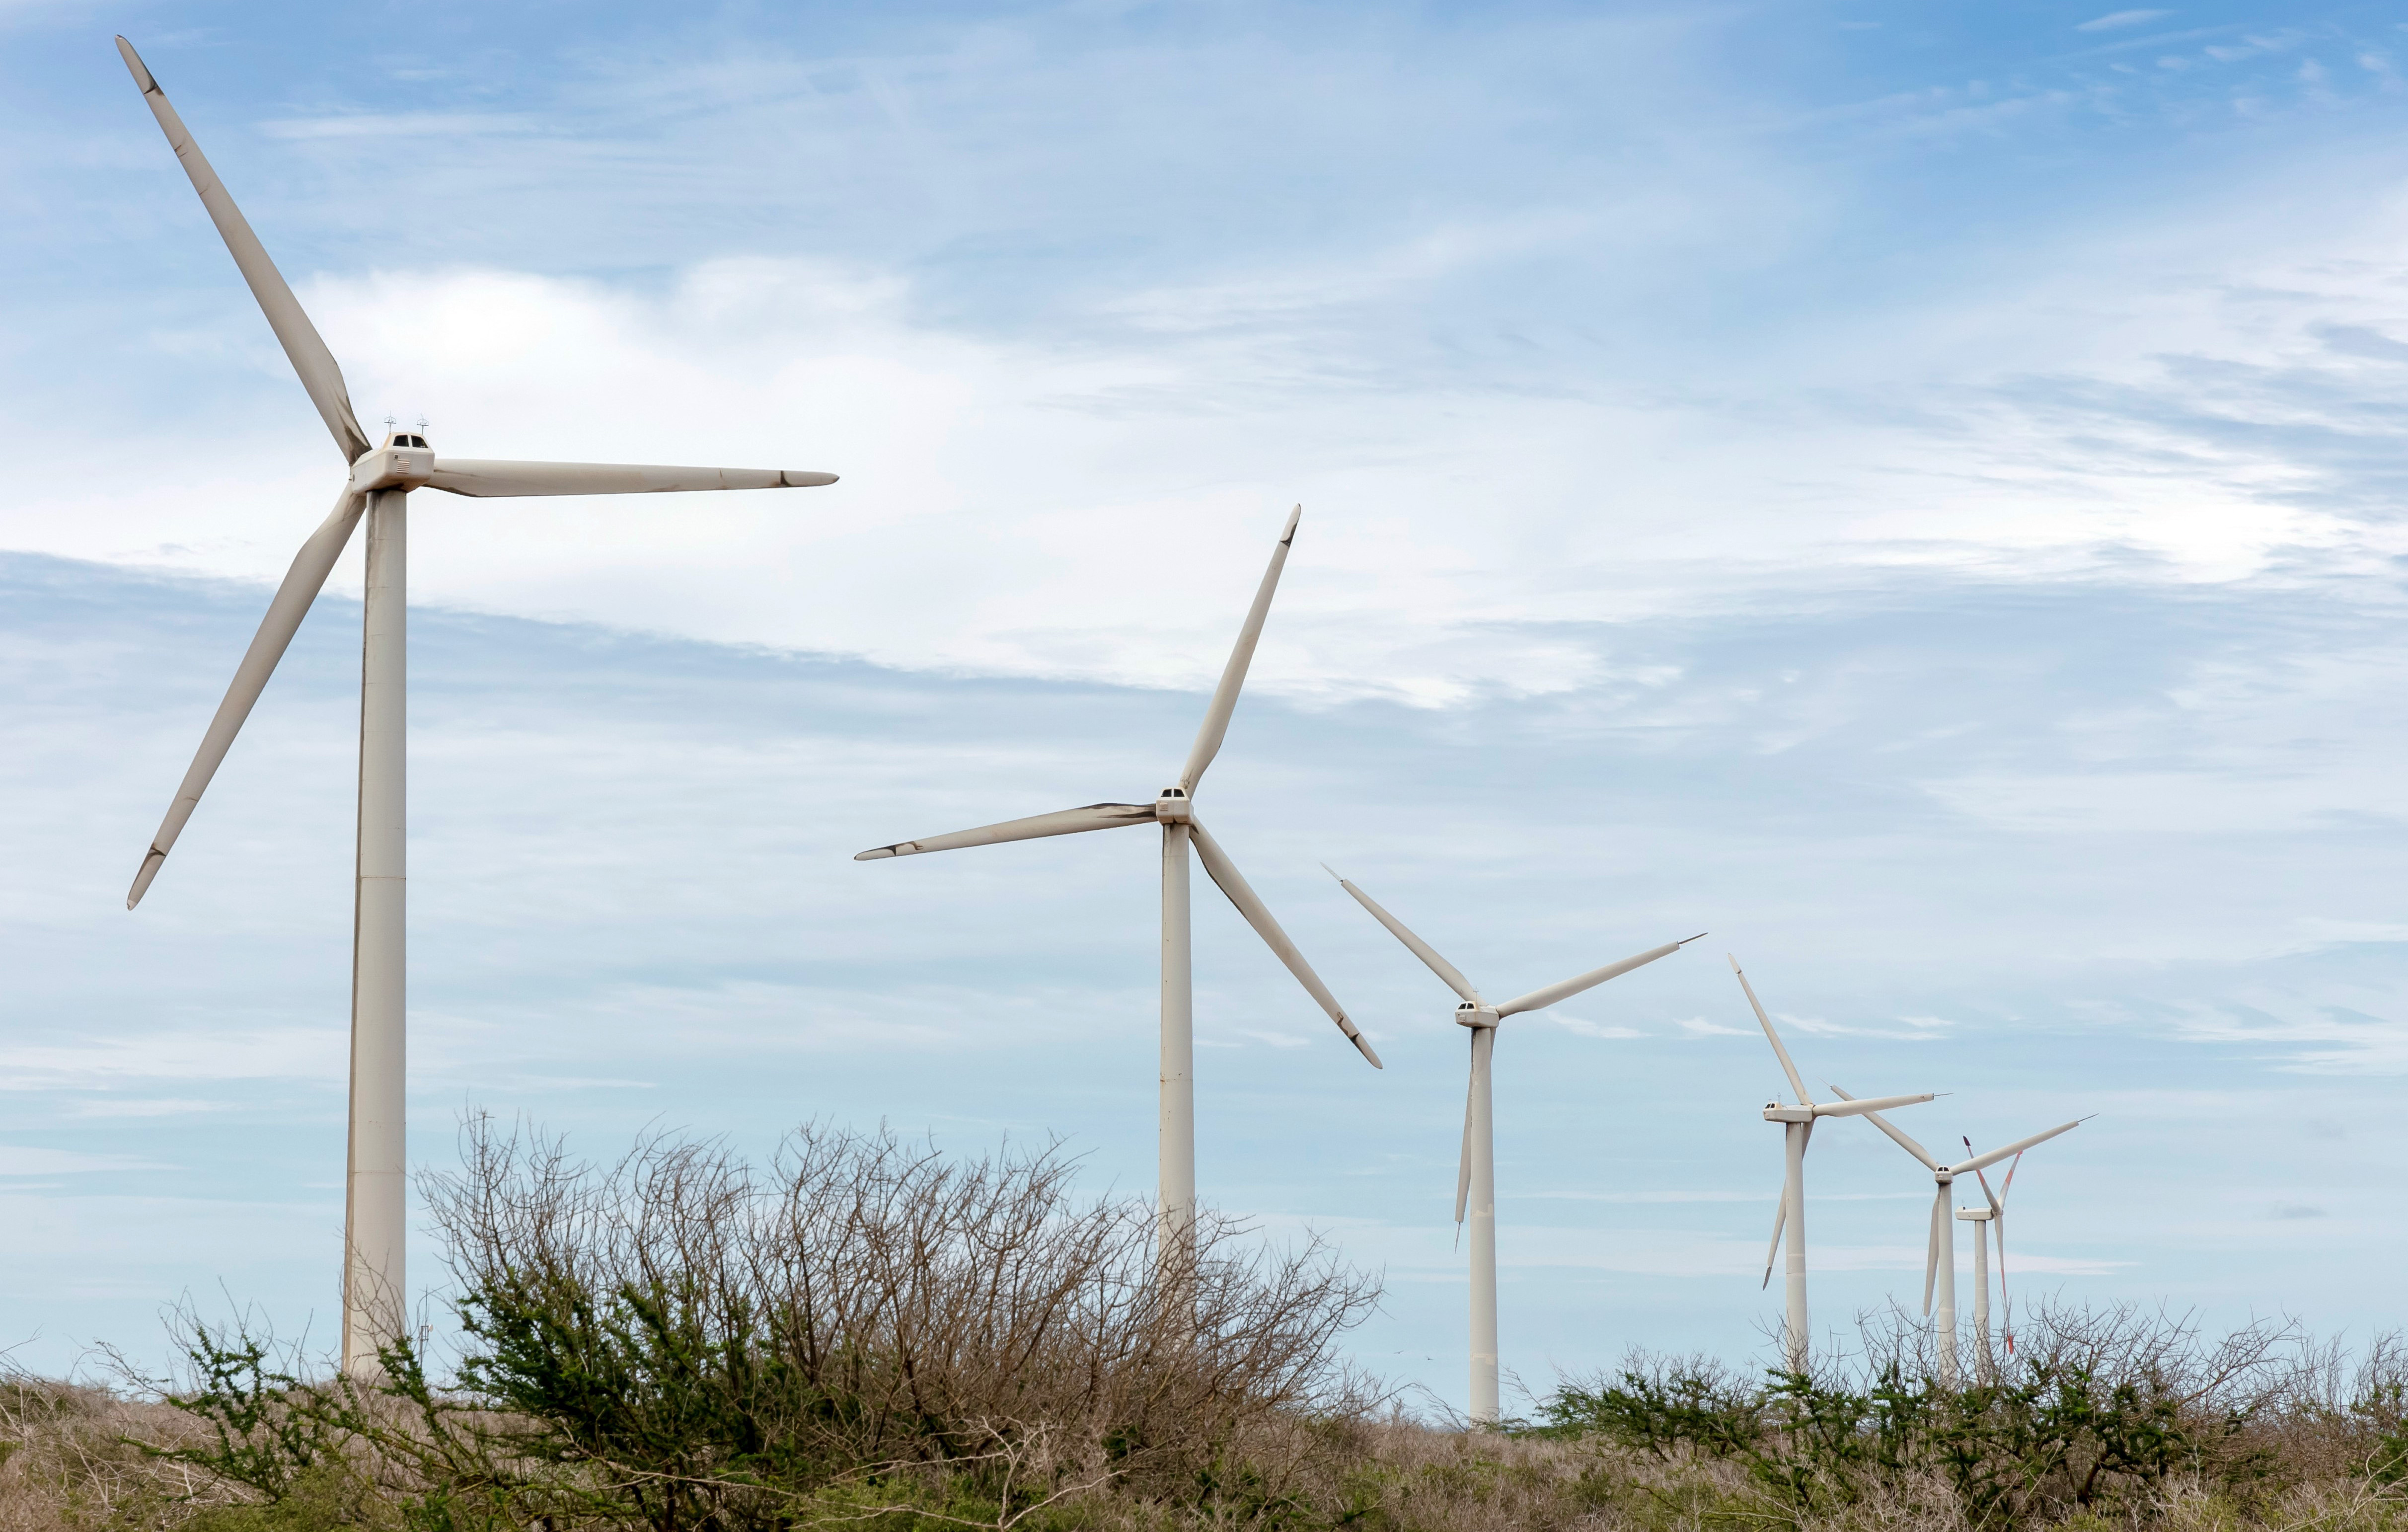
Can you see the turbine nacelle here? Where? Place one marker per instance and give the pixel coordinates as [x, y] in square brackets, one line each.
[1174, 807]
[1474, 1015]
[405, 462]
[1976, 1215]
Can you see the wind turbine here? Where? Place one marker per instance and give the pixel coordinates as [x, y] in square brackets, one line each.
[1475, 1175]
[1174, 810]
[1993, 1217]
[1796, 1131]
[375, 1216]
[1939, 1256]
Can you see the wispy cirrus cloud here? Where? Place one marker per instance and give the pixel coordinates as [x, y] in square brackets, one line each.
[2115, 21]
[385, 125]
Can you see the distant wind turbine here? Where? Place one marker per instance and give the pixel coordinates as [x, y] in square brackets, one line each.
[1993, 1216]
[1475, 1175]
[1797, 1130]
[1174, 810]
[1939, 1256]
[375, 1214]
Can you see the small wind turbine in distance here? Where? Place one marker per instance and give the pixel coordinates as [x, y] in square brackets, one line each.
[1992, 1217]
[375, 1215]
[1174, 810]
[1796, 1131]
[1475, 1176]
[1940, 1256]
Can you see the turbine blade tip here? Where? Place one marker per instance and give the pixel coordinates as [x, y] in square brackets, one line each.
[1700, 936]
[142, 76]
[150, 869]
[880, 854]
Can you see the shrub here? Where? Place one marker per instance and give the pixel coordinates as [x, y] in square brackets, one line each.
[2100, 1409]
[684, 1342]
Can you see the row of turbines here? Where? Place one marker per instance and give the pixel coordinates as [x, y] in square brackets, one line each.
[380, 479]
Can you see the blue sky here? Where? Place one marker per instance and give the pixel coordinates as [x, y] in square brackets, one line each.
[1910, 489]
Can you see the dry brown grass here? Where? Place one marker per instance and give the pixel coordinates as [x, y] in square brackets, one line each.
[72, 1466]
[67, 1459]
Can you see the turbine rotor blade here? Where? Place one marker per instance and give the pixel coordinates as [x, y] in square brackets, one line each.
[285, 610]
[1233, 675]
[1540, 999]
[1931, 1250]
[1884, 1124]
[302, 344]
[1095, 816]
[1780, 1220]
[1224, 872]
[2006, 1305]
[1999, 1222]
[1983, 1161]
[1879, 1103]
[1774, 1038]
[1413, 944]
[1463, 1163]
[1987, 1195]
[485, 477]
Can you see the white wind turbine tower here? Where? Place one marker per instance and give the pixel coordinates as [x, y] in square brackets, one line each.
[375, 1216]
[1796, 1131]
[1939, 1257]
[1174, 811]
[1475, 1176]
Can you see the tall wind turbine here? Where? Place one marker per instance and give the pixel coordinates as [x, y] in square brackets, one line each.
[1939, 1254]
[375, 1216]
[1796, 1131]
[1174, 810]
[1475, 1175]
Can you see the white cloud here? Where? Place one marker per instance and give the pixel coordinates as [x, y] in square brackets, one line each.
[1581, 1027]
[1100, 507]
[107, 1063]
[385, 125]
[2116, 19]
[17, 1160]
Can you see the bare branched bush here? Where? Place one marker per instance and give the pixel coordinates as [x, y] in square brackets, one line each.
[710, 1339]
